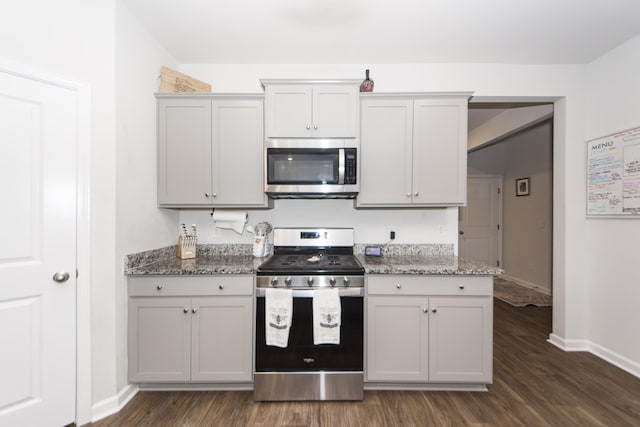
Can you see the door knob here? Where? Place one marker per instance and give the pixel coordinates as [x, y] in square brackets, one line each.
[61, 277]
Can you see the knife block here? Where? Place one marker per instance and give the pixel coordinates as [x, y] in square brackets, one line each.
[187, 246]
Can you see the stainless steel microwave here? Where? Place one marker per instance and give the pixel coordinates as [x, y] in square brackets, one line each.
[311, 168]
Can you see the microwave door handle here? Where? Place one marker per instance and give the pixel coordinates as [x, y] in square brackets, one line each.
[341, 161]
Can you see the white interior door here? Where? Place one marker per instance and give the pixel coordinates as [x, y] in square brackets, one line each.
[479, 222]
[38, 137]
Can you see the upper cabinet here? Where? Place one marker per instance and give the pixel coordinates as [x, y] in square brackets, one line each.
[210, 151]
[311, 109]
[413, 150]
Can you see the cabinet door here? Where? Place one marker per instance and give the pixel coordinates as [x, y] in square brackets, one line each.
[159, 339]
[222, 339]
[238, 165]
[288, 111]
[460, 339]
[397, 342]
[439, 151]
[385, 157]
[335, 111]
[184, 151]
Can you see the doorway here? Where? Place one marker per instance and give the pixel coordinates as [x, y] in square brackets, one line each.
[524, 155]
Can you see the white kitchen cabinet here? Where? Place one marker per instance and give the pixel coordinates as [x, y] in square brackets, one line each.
[413, 150]
[429, 329]
[210, 151]
[203, 335]
[397, 347]
[311, 109]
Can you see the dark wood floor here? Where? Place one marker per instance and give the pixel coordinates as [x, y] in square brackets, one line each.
[535, 384]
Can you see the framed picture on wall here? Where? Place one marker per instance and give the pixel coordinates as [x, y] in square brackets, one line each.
[522, 186]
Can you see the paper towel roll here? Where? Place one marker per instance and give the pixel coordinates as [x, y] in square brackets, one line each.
[230, 220]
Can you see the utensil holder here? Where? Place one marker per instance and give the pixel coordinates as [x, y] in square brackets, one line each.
[259, 246]
[187, 246]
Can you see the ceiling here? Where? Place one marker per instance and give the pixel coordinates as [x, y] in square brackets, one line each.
[386, 31]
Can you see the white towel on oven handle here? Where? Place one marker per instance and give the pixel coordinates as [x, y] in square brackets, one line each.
[278, 310]
[326, 316]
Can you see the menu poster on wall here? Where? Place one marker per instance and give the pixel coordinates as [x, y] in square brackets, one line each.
[613, 175]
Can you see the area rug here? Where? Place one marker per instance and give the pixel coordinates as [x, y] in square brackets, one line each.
[519, 295]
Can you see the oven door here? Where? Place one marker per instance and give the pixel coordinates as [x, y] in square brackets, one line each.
[302, 355]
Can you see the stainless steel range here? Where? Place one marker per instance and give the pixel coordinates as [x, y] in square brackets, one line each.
[305, 260]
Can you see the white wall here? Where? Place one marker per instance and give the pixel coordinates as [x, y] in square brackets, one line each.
[75, 39]
[371, 225]
[140, 225]
[612, 280]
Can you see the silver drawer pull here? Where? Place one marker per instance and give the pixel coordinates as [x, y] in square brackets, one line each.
[398, 285]
[185, 310]
[194, 311]
[434, 310]
[461, 286]
[159, 287]
[221, 287]
[425, 310]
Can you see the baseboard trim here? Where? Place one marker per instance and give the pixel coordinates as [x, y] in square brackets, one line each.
[526, 284]
[603, 353]
[113, 404]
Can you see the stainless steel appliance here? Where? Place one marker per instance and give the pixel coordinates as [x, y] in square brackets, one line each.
[306, 259]
[325, 168]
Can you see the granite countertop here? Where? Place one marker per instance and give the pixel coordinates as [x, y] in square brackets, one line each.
[425, 264]
[210, 259]
[238, 259]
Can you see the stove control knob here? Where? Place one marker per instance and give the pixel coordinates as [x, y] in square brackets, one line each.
[346, 281]
[274, 281]
[287, 281]
[332, 281]
[310, 281]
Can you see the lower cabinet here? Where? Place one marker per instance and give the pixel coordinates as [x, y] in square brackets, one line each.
[195, 329]
[428, 329]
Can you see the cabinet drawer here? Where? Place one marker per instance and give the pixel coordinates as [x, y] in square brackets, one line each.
[429, 285]
[187, 286]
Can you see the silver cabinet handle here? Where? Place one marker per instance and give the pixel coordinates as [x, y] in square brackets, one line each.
[207, 195]
[159, 287]
[194, 310]
[315, 126]
[398, 285]
[215, 195]
[221, 287]
[434, 310]
[461, 232]
[61, 277]
[408, 194]
[461, 286]
[308, 127]
[416, 194]
[185, 310]
[425, 310]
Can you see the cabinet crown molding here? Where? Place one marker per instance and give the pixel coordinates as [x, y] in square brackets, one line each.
[267, 82]
[211, 95]
[411, 95]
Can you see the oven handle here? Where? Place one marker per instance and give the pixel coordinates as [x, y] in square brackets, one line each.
[308, 293]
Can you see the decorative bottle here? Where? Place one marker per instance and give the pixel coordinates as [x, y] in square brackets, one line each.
[367, 84]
